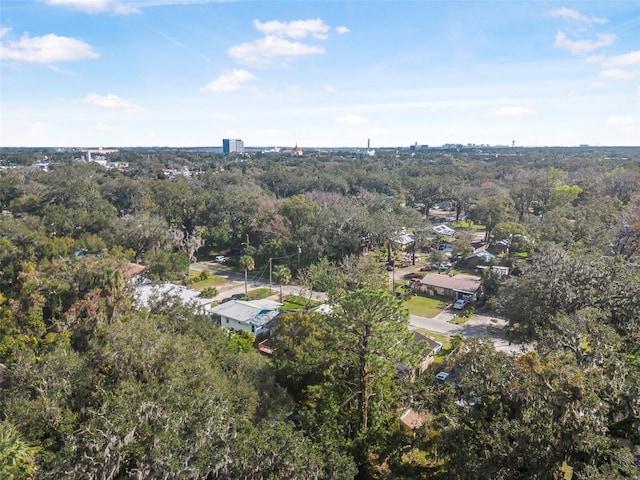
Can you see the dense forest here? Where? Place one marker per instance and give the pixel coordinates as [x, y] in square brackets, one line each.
[94, 385]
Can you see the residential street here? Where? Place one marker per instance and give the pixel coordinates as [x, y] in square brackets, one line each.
[475, 327]
[236, 283]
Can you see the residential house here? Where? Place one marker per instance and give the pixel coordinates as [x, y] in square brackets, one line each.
[404, 241]
[480, 257]
[455, 287]
[147, 291]
[246, 316]
[413, 419]
[443, 230]
[502, 271]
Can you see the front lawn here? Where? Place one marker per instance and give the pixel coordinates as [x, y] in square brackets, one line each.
[199, 282]
[260, 293]
[296, 302]
[465, 225]
[425, 306]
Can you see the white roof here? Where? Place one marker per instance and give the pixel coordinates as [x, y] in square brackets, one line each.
[253, 312]
[324, 308]
[405, 238]
[147, 290]
[443, 229]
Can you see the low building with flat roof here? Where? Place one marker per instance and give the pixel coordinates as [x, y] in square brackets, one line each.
[246, 316]
[454, 287]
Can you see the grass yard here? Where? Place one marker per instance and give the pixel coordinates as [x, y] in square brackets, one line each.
[210, 281]
[295, 302]
[260, 293]
[464, 225]
[424, 306]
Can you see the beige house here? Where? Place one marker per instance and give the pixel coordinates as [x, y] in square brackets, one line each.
[454, 287]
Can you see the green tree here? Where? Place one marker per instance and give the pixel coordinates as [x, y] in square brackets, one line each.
[282, 275]
[515, 235]
[164, 265]
[17, 457]
[342, 369]
[491, 211]
[559, 282]
[299, 211]
[529, 416]
[427, 190]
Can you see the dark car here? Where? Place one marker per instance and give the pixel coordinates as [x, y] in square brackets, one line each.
[428, 267]
[477, 244]
[413, 275]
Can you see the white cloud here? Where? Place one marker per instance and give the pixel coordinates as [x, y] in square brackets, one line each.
[49, 48]
[616, 121]
[293, 89]
[342, 30]
[264, 50]
[352, 121]
[511, 112]
[329, 88]
[230, 81]
[315, 28]
[565, 12]
[96, 6]
[110, 101]
[631, 58]
[581, 47]
[618, 74]
[597, 84]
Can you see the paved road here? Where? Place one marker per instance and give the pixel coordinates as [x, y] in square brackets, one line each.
[235, 283]
[476, 326]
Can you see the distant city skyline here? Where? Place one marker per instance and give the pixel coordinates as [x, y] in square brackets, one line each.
[357, 74]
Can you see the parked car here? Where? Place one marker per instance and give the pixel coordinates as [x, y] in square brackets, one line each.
[445, 266]
[477, 244]
[428, 267]
[389, 267]
[413, 275]
[442, 376]
[221, 259]
[460, 304]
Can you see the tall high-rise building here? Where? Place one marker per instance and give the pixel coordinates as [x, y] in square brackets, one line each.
[232, 145]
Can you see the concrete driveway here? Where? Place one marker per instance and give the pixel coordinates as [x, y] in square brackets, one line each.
[476, 326]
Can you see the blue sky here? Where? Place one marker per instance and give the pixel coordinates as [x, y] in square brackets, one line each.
[185, 73]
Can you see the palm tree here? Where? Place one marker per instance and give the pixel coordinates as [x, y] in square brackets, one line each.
[247, 264]
[283, 275]
[18, 456]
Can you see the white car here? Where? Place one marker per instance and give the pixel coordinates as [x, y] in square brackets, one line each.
[442, 376]
[221, 259]
[460, 304]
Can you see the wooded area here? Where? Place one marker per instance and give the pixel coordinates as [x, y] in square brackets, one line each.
[95, 386]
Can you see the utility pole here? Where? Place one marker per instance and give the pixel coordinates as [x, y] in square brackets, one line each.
[270, 273]
[299, 252]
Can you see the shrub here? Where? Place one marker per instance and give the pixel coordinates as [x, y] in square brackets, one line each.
[209, 292]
